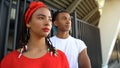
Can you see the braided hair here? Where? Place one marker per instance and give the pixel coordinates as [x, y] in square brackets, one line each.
[25, 32]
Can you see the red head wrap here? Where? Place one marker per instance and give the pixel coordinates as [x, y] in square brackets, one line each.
[32, 8]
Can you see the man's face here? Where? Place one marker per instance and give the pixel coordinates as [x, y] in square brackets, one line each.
[63, 22]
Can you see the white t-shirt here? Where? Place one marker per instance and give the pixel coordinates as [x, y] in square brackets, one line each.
[71, 46]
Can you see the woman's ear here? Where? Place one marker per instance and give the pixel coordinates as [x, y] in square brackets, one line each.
[28, 25]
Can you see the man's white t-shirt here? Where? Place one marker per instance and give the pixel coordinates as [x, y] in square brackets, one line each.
[71, 46]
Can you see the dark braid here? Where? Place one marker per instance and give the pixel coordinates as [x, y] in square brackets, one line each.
[24, 34]
[50, 45]
[23, 39]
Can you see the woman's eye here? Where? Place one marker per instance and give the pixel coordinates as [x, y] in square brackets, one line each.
[41, 18]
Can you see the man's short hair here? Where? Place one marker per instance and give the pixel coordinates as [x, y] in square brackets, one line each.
[55, 14]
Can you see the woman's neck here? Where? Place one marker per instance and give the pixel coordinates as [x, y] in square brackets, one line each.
[36, 44]
[36, 48]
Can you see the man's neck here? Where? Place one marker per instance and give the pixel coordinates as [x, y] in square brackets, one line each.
[62, 35]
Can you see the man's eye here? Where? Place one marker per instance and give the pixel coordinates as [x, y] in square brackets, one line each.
[70, 19]
[63, 18]
[50, 19]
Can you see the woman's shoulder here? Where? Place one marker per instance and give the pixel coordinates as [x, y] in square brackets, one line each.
[10, 55]
[13, 53]
[61, 53]
[64, 58]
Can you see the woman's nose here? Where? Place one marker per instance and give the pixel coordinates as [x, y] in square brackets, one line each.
[48, 22]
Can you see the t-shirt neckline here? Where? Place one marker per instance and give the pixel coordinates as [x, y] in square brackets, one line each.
[63, 38]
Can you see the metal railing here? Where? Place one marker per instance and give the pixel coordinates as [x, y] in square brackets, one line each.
[11, 12]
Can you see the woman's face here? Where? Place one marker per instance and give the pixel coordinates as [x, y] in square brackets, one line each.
[40, 23]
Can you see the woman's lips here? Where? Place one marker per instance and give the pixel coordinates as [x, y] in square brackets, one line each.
[46, 29]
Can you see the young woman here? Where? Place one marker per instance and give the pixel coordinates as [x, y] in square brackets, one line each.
[37, 50]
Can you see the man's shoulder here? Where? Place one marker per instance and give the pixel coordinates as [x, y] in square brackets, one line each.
[52, 38]
[79, 42]
[76, 39]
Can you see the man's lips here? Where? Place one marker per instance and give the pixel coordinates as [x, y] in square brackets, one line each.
[67, 25]
[46, 29]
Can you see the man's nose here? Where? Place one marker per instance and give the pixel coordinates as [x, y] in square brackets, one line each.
[68, 21]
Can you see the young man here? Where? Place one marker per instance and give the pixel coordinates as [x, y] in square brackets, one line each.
[75, 49]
